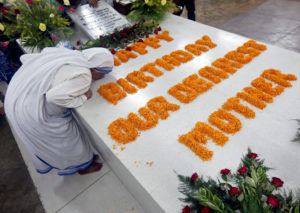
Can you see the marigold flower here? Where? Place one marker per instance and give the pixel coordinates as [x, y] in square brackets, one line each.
[42, 27]
[139, 47]
[111, 92]
[164, 35]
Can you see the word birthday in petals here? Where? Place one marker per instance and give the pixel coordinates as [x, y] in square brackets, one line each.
[139, 79]
[186, 92]
[262, 91]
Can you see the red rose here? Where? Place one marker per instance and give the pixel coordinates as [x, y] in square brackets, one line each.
[128, 48]
[252, 155]
[61, 8]
[133, 35]
[186, 209]
[125, 41]
[29, 1]
[53, 37]
[113, 35]
[119, 42]
[78, 43]
[72, 10]
[111, 42]
[124, 34]
[234, 190]
[156, 31]
[4, 44]
[127, 29]
[101, 36]
[139, 32]
[273, 201]
[73, 48]
[113, 51]
[205, 210]
[3, 9]
[194, 177]
[277, 181]
[140, 40]
[147, 36]
[159, 29]
[17, 11]
[242, 170]
[225, 171]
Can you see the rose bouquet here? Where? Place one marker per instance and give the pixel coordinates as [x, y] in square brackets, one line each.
[249, 190]
[122, 38]
[38, 23]
[150, 10]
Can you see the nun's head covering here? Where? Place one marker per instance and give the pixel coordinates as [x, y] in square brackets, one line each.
[100, 59]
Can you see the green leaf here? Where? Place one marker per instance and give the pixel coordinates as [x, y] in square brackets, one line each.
[297, 209]
[253, 174]
[250, 181]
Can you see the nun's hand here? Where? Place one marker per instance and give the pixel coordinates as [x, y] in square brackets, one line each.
[93, 3]
[89, 94]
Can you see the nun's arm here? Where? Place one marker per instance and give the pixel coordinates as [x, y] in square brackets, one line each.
[70, 93]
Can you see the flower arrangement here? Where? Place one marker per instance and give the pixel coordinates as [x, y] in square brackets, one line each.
[122, 38]
[150, 10]
[249, 190]
[37, 23]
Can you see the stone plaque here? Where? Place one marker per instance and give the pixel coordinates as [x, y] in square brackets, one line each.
[98, 21]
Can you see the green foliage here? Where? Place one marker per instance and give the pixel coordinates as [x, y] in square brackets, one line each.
[36, 23]
[150, 10]
[253, 191]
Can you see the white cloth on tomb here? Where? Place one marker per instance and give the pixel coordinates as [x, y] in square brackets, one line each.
[38, 102]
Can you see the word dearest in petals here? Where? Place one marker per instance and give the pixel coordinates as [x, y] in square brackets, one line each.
[140, 47]
[140, 79]
[222, 122]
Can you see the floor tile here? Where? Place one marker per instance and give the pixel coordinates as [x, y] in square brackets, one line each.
[268, 29]
[107, 195]
[56, 191]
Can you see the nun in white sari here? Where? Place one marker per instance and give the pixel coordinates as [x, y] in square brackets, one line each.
[39, 102]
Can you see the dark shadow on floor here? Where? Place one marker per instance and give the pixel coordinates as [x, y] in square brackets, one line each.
[17, 191]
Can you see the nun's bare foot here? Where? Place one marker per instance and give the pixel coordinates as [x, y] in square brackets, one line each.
[94, 167]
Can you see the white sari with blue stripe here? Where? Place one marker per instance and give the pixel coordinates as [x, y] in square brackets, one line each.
[39, 109]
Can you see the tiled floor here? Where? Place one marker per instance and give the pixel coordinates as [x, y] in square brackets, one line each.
[274, 21]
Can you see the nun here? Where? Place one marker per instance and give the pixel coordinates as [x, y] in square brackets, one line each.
[39, 103]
